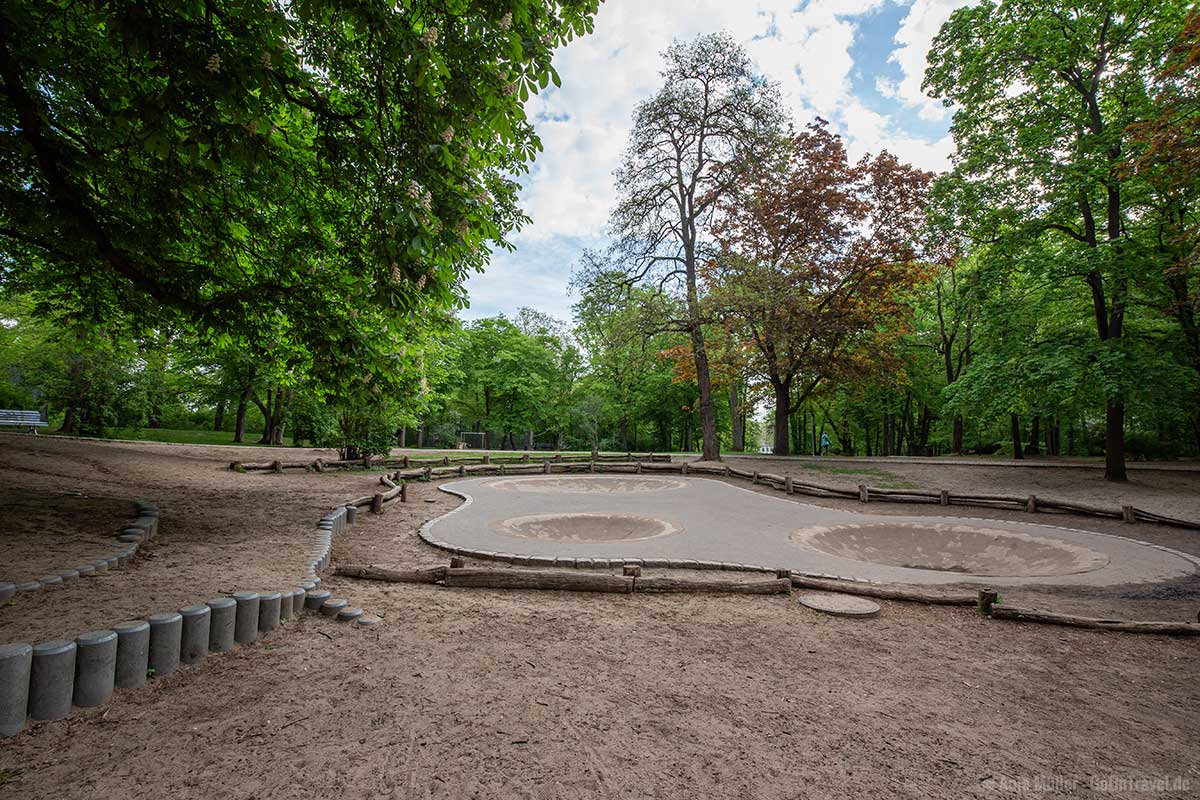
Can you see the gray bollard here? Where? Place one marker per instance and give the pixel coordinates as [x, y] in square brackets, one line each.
[314, 599]
[131, 538]
[298, 602]
[95, 667]
[29, 587]
[101, 565]
[7, 590]
[333, 606]
[286, 601]
[51, 680]
[367, 622]
[50, 580]
[246, 630]
[68, 574]
[351, 514]
[133, 653]
[15, 661]
[222, 624]
[85, 570]
[166, 631]
[268, 611]
[193, 638]
[348, 614]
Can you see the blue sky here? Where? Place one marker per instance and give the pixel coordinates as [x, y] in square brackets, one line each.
[857, 63]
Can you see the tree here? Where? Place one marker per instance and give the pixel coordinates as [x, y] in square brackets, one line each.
[817, 256]
[688, 144]
[1044, 96]
[304, 175]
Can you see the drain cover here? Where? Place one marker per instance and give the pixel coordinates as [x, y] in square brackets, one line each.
[841, 605]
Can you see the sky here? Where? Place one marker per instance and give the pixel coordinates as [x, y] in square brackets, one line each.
[857, 63]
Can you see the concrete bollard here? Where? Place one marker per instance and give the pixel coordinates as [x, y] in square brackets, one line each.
[133, 653]
[166, 632]
[51, 680]
[68, 574]
[194, 633]
[101, 565]
[351, 514]
[349, 614]
[246, 629]
[333, 606]
[222, 624]
[268, 611]
[50, 580]
[29, 587]
[130, 538]
[7, 590]
[314, 599]
[85, 570]
[15, 661]
[95, 667]
[286, 601]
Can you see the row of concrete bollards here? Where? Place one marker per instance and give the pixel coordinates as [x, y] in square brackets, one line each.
[129, 539]
[44, 681]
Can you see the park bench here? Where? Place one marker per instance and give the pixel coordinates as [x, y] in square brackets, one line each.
[13, 418]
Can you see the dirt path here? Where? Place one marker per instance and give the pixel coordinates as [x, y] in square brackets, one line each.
[475, 693]
[468, 693]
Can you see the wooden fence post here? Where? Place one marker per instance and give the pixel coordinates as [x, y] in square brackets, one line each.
[1031, 504]
[1128, 514]
[404, 493]
[787, 485]
[944, 497]
[545, 466]
[864, 495]
[377, 504]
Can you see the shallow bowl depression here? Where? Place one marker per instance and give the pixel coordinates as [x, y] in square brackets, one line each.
[588, 485]
[585, 527]
[947, 547]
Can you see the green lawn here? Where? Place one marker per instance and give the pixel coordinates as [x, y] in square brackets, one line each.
[179, 436]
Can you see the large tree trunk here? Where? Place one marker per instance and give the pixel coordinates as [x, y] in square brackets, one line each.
[1114, 441]
[219, 417]
[239, 431]
[956, 436]
[710, 449]
[69, 419]
[1014, 423]
[783, 413]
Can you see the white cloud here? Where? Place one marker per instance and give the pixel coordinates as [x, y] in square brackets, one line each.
[584, 125]
[915, 37]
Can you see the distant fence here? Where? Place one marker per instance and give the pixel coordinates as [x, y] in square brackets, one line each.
[405, 462]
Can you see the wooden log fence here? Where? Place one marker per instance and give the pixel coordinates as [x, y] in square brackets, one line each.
[999, 611]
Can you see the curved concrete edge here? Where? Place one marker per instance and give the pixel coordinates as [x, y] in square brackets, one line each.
[132, 536]
[673, 563]
[45, 681]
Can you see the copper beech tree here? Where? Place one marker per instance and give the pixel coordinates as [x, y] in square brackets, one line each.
[817, 259]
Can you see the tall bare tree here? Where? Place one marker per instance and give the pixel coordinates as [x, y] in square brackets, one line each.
[688, 144]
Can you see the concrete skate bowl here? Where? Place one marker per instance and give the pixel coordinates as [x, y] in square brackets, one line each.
[948, 547]
[583, 528]
[586, 485]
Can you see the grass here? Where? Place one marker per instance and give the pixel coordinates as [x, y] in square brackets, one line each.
[178, 436]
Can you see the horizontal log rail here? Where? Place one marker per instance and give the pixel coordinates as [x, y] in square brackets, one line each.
[1016, 614]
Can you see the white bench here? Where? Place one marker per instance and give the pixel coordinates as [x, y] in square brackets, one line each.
[30, 420]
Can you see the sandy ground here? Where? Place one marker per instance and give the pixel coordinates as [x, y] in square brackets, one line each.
[477, 693]
[1170, 492]
[472, 693]
[47, 531]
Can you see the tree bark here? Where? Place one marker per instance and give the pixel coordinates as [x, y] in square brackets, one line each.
[219, 417]
[783, 413]
[956, 436]
[1114, 441]
[239, 431]
[1015, 425]
[1035, 434]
